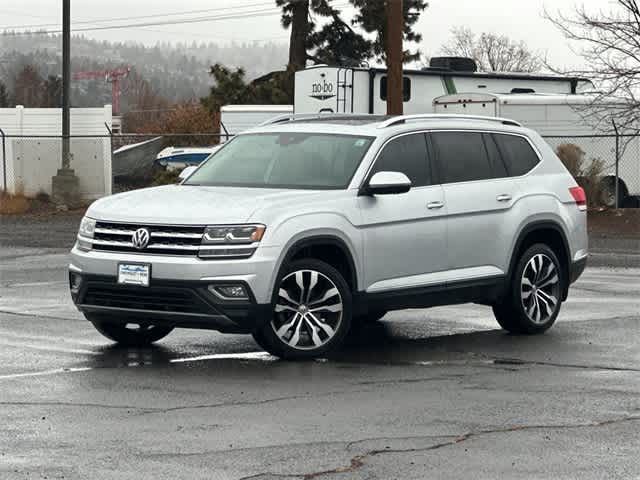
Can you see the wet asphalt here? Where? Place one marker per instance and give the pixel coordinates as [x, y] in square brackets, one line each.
[438, 393]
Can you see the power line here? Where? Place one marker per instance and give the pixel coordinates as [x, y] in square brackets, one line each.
[214, 18]
[114, 19]
[232, 16]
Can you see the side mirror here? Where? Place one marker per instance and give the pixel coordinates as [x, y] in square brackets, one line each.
[388, 183]
[186, 173]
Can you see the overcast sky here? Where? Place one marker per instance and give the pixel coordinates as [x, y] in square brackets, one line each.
[519, 19]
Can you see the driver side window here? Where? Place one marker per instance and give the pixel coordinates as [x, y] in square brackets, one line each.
[406, 154]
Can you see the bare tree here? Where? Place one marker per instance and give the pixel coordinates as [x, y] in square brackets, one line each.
[610, 44]
[493, 53]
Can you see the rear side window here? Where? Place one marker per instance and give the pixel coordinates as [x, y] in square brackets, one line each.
[406, 154]
[517, 153]
[495, 159]
[462, 156]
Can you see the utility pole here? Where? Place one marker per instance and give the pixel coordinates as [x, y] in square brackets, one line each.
[395, 23]
[65, 185]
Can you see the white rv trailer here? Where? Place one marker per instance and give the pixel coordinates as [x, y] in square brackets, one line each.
[323, 88]
[237, 118]
[564, 118]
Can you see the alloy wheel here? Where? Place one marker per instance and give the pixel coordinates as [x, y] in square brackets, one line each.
[540, 288]
[308, 311]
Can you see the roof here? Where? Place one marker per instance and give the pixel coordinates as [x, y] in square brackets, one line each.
[455, 73]
[257, 108]
[380, 125]
[525, 99]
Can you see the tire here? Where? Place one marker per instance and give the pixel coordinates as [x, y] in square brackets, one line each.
[259, 338]
[369, 317]
[123, 334]
[608, 192]
[304, 289]
[537, 282]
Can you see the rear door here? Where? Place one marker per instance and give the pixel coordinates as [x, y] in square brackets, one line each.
[404, 234]
[478, 192]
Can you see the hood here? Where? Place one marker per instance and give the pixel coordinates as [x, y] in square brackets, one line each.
[190, 205]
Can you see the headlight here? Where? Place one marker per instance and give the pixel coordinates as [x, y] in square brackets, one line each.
[233, 234]
[87, 227]
[86, 231]
[231, 241]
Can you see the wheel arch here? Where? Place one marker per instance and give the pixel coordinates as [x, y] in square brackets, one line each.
[549, 233]
[330, 248]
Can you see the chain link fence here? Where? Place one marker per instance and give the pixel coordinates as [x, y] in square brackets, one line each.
[116, 162]
[103, 163]
[611, 163]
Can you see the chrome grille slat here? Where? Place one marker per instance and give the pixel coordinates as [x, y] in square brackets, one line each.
[170, 239]
[114, 231]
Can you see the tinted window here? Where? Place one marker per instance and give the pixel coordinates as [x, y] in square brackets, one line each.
[517, 154]
[462, 156]
[495, 159]
[406, 154]
[406, 88]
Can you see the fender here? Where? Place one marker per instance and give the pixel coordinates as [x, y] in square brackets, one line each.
[310, 240]
[540, 225]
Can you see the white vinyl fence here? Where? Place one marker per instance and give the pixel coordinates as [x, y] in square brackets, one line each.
[33, 149]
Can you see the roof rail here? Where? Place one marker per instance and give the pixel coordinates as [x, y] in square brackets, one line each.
[435, 116]
[291, 117]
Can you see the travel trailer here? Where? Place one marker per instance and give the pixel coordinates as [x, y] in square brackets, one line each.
[562, 119]
[323, 88]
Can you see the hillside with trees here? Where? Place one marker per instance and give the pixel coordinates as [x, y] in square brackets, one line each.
[176, 72]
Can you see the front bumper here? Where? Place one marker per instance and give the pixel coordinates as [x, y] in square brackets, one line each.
[176, 303]
[258, 272]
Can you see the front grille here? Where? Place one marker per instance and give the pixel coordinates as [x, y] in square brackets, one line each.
[164, 299]
[164, 239]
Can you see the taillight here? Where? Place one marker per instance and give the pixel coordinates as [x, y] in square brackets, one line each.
[579, 196]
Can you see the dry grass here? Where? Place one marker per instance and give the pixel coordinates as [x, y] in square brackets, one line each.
[12, 204]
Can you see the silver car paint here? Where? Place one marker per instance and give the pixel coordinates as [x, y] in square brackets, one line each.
[394, 240]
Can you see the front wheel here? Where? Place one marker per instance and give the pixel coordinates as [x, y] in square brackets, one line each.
[311, 311]
[129, 334]
[533, 301]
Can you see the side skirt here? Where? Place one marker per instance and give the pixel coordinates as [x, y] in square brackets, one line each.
[483, 291]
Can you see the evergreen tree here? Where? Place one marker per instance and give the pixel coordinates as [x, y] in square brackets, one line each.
[4, 96]
[371, 17]
[52, 92]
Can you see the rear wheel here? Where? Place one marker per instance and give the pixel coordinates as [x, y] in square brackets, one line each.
[130, 334]
[312, 311]
[534, 298]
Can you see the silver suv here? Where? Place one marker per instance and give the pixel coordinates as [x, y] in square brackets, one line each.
[300, 229]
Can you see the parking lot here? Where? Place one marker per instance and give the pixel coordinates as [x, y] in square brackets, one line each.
[439, 393]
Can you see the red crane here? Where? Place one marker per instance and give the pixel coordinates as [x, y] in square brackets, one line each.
[112, 76]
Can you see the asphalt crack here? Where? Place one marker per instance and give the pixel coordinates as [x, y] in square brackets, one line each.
[358, 461]
[518, 361]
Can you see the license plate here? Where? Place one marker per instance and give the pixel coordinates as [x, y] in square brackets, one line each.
[134, 274]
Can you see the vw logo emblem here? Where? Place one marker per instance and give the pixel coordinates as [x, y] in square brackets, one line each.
[140, 238]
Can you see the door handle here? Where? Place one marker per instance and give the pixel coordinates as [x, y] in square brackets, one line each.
[435, 205]
[505, 197]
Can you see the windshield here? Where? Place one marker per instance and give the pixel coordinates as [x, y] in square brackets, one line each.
[284, 160]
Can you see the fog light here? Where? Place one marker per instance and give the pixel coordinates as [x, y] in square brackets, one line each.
[75, 281]
[84, 245]
[229, 292]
